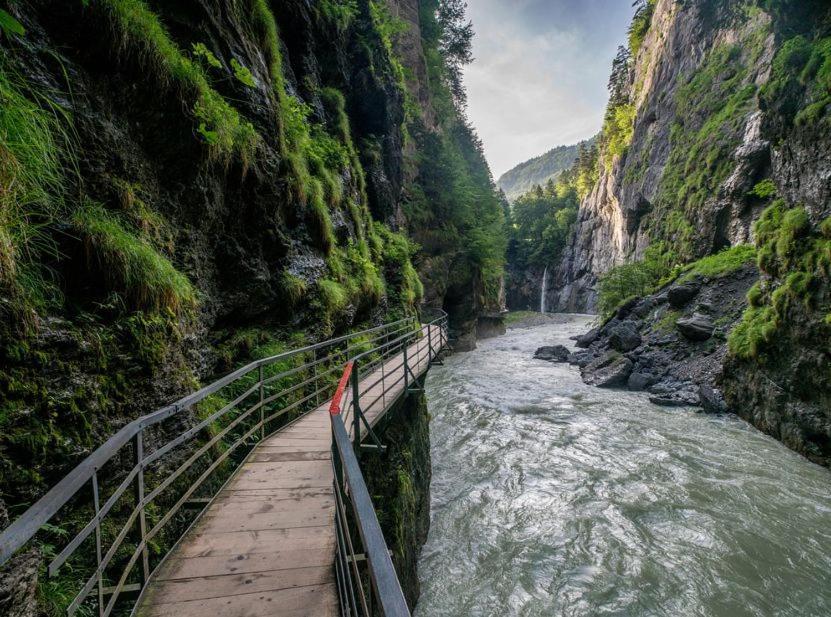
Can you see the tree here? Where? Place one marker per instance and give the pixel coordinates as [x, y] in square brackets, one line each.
[456, 44]
[620, 79]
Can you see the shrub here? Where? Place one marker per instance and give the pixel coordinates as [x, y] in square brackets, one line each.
[766, 189]
[131, 265]
[635, 279]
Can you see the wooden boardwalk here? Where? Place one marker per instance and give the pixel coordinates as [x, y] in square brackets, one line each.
[266, 544]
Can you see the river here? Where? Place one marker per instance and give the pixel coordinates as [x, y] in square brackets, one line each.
[550, 497]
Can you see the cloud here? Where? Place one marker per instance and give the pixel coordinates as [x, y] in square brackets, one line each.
[539, 78]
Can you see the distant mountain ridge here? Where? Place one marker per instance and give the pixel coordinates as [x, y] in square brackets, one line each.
[540, 169]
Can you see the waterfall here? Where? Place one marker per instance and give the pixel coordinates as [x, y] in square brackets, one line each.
[544, 289]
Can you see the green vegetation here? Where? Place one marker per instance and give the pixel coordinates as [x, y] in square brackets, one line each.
[341, 13]
[221, 126]
[795, 259]
[541, 225]
[131, 266]
[766, 189]
[721, 264]
[799, 89]
[640, 25]
[35, 148]
[636, 279]
[243, 74]
[9, 25]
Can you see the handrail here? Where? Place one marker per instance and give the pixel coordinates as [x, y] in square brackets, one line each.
[16, 535]
[306, 383]
[349, 484]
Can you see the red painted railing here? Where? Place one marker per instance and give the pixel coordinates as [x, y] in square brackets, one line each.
[334, 407]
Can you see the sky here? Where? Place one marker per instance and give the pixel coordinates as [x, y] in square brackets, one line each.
[540, 72]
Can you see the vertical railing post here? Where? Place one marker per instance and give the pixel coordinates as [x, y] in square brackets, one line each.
[314, 382]
[138, 450]
[97, 505]
[429, 343]
[406, 369]
[262, 403]
[356, 410]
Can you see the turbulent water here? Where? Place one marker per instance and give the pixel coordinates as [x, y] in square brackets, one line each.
[550, 497]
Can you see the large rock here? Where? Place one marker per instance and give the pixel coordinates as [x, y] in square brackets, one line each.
[557, 353]
[711, 399]
[624, 337]
[696, 328]
[680, 295]
[610, 370]
[588, 338]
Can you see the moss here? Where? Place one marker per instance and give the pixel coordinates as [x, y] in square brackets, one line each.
[131, 265]
[221, 126]
[721, 264]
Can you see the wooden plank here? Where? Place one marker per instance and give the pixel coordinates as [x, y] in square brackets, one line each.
[287, 559]
[276, 457]
[254, 542]
[208, 587]
[313, 600]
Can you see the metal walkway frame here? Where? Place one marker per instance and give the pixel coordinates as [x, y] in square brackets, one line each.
[184, 455]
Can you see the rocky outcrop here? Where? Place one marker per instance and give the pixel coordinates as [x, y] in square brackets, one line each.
[676, 355]
[636, 198]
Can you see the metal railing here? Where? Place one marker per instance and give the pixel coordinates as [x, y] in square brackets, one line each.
[116, 515]
[373, 378]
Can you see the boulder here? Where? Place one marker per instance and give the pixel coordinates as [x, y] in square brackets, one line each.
[588, 338]
[711, 400]
[610, 370]
[680, 295]
[626, 308]
[674, 393]
[557, 353]
[696, 328]
[624, 337]
[640, 381]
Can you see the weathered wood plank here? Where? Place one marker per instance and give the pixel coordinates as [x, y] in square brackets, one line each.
[266, 545]
[313, 600]
[208, 587]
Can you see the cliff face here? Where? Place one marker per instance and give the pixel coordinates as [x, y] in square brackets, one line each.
[187, 186]
[722, 139]
[696, 146]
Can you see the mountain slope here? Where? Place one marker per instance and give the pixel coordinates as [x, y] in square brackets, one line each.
[539, 170]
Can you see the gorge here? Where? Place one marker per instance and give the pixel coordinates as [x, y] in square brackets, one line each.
[188, 188]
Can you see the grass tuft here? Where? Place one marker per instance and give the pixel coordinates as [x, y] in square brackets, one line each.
[223, 129]
[131, 265]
